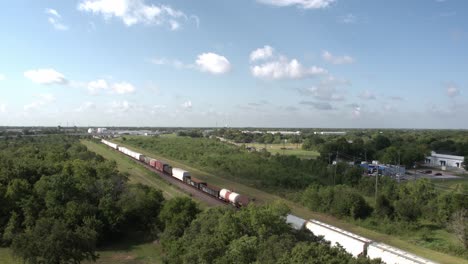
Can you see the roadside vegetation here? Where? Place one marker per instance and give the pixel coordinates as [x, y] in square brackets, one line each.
[417, 211]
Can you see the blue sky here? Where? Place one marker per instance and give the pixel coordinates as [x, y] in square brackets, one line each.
[267, 63]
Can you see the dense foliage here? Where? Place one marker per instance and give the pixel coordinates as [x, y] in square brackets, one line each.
[59, 201]
[259, 168]
[252, 235]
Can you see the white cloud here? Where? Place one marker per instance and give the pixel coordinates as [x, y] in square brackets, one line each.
[86, 106]
[348, 19]
[452, 90]
[285, 69]
[94, 87]
[3, 108]
[327, 89]
[367, 95]
[55, 19]
[356, 112]
[262, 53]
[123, 88]
[305, 4]
[187, 105]
[338, 60]
[46, 76]
[175, 63]
[2, 77]
[120, 107]
[213, 63]
[133, 12]
[42, 99]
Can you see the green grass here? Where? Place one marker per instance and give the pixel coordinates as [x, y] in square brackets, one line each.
[289, 149]
[123, 252]
[403, 243]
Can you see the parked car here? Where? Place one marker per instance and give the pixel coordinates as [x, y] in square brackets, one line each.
[438, 174]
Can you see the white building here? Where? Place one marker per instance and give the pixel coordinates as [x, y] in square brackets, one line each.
[444, 160]
[330, 133]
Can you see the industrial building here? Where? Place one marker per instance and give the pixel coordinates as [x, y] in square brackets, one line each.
[330, 133]
[443, 160]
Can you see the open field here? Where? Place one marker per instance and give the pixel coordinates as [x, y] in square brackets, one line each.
[406, 243]
[289, 149]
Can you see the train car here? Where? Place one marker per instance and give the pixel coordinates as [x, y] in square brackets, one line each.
[229, 196]
[210, 189]
[110, 144]
[391, 255]
[147, 160]
[180, 174]
[167, 169]
[159, 165]
[194, 182]
[352, 243]
[152, 162]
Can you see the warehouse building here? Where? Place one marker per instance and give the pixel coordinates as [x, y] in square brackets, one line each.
[444, 160]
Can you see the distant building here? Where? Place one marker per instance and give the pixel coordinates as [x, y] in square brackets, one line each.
[330, 133]
[273, 132]
[444, 160]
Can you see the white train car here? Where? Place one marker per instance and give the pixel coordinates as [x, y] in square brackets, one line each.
[229, 196]
[180, 174]
[353, 244]
[110, 144]
[295, 222]
[391, 255]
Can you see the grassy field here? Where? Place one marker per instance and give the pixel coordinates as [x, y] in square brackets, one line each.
[282, 149]
[405, 243]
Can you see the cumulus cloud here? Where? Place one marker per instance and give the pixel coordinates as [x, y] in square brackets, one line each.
[42, 99]
[187, 105]
[278, 66]
[367, 95]
[133, 12]
[55, 18]
[285, 69]
[356, 112]
[213, 63]
[305, 4]
[46, 76]
[318, 105]
[123, 88]
[120, 107]
[261, 53]
[94, 87]
[327, 89]
[452, 90]
[337, 60]
[174, 63]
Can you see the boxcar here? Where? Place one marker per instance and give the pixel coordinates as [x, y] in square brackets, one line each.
[194, 182]
[210, 189]
[180, 173]
[167, 169]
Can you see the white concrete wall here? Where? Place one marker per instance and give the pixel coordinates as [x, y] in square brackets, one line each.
[352, 243]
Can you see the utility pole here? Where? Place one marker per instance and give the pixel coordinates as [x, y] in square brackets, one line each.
[376, 184]
[336, 165]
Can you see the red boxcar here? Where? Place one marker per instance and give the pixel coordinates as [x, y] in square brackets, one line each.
[159, 165]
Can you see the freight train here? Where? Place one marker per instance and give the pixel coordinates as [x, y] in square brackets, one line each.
[184, 176]
[354, 244]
